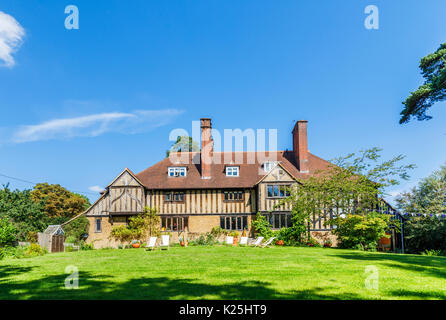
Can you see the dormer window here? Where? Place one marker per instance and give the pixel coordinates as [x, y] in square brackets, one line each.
[268, 165]
[177, 172]
[232, 171]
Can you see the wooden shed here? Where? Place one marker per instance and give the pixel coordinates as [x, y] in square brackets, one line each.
[52, 238]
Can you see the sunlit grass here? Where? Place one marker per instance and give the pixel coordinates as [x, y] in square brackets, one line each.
[224, 273]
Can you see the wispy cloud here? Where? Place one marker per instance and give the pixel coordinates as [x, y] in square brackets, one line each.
[96, 188]
[11, 37]
[94, 125]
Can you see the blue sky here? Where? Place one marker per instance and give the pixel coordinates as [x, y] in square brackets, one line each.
[135, 70]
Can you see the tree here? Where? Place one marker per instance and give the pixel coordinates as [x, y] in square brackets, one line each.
[77, 228]
[429, 197]
[7, 232]
[183, 144]
[59, 203]
[25, 214]
[425, 233]
[433, 69]
[353, 185]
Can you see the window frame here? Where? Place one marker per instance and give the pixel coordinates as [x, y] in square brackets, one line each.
[174, 196]
[278, 191]
[283, 222]
[240, 222]
[232, 170]
[270, 164]
[233, 196]
[96, 230]
[175, 170]
[180, 223]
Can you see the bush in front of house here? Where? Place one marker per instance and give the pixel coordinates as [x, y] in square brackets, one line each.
[425, 234]
[361, 232]
[262, 227]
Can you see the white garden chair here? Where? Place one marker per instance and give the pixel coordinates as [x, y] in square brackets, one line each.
[267, 243]
[230, 240]
[151, 243]
[243, 241]
[165, 241]
[257, 242]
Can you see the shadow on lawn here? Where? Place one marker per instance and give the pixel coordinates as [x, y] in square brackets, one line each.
[433, 266]
[103, 287]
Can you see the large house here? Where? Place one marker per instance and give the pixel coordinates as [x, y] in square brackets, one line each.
[199, 193]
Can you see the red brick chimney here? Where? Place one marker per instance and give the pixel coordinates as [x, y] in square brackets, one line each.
[300, 145]
[207, 148]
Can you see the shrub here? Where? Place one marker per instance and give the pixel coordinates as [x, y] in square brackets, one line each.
[87, 246]
[207, 239]
[122, 233]
[431, 253]
[218, 231]
[7, 232]
[32, 237]
[71, 239]
[361, 231]
[262, 226]
[2, 253]
[34, 250]
[425, 233]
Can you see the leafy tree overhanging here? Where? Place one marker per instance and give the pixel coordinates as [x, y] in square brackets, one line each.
[433, 69]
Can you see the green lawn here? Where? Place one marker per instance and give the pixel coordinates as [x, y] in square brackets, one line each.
[224, 273]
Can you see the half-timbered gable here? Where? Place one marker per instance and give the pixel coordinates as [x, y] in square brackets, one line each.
[126, 194]
[273, 188]
[100, 208]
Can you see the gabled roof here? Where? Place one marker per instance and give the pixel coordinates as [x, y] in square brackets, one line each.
[120, 175]
[278, 164]
[156, 176]
[54, 229]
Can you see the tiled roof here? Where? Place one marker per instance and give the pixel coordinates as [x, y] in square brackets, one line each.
[156, 176]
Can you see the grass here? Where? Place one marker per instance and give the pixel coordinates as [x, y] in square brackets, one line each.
[224, 273]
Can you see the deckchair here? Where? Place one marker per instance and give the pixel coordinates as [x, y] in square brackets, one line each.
[267, 243]
[243, 241]
[230, 240]
[257, 242]
[151, 243]
[165, 242]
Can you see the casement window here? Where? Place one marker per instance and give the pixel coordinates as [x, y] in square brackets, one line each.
[174, 223]
[268, 165]
[232, 171]
[279, 220]
[233, 196]
[174, 197]
[278, 190]
[98, 225]
[234, 222]
[177, 171]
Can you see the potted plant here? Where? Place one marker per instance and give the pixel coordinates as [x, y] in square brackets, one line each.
[136, 244]
[279, 242]
[328, 243]
[235, 235]
[310, 243]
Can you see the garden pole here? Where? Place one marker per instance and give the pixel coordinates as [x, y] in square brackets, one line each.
[402, 235]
